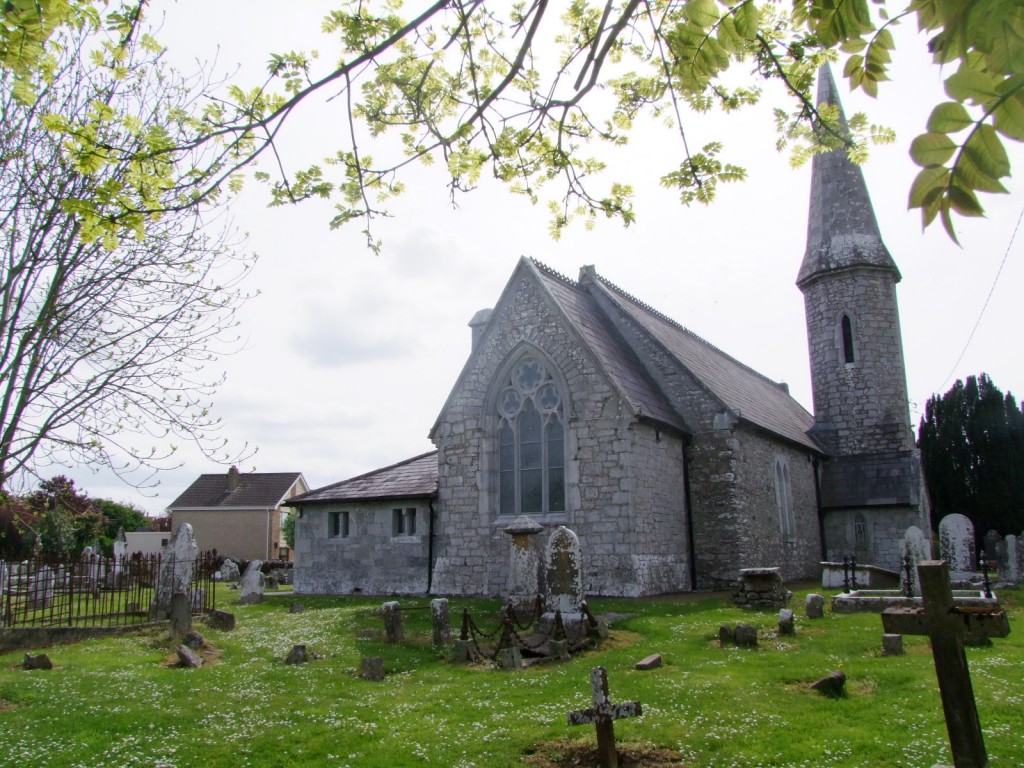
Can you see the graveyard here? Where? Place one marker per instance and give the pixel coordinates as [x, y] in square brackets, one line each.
[125, 700]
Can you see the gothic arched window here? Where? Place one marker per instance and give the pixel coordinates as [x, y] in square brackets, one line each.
[531, 442]
[784, 498]
[847, 328]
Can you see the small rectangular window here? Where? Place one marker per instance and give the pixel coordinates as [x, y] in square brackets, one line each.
[403, 522]
[338, 524]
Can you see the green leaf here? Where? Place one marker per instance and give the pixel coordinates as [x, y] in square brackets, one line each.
[949, 117]
[928, 182]
[973, 177]
[701, 12]
[853, 45]
[964, 201]
[972, 85]
[932, 149]
[748, 20]
[1009, 117]
[987, 151]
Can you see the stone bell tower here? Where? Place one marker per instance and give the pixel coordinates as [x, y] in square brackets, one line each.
[871, 484]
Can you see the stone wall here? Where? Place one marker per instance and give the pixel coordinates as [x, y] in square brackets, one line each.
[371, 559]
[737, 521]
[866, 400]
[620, 474]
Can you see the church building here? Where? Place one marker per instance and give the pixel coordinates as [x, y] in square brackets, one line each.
[675, 464]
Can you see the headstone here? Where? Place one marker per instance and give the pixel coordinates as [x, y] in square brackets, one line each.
[180, 615]
[252, 584]
[296, 608]
[787, 622]
[229, 571]
[559, 649]
[946, 625]
[392, 614]
[563, 571]
[189, 658]
[603, 715]
[221, 620]
[832, 685]
[918, 547]
[892, 645]
[956, 545]
[372, 668]
[177, 565]
[746, 635]
[523, 568]
[814, 606]
[650, 662]
[297, 655]
[441, 624]
[41, 587]
[115, 576]
[1012, 572]
[39, 661]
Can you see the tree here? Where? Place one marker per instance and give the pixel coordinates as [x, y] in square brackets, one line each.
[972, 448]
[288, 529]
[104, 331]
[522, 90]
[68, 521]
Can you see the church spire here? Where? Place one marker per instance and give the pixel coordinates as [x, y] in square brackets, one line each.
[841, 229]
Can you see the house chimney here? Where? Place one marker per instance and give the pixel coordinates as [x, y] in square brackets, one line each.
[477, 324]
[234, 479]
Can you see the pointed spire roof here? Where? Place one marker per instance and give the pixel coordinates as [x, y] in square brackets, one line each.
[841, 229]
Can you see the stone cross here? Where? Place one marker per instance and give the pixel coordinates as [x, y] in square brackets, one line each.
[945, 623]
[604, 714]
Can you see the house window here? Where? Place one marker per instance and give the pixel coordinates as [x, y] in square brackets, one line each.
[403, 522]
[531, 442]
[847, 329]
[784, 498]
[338, 524]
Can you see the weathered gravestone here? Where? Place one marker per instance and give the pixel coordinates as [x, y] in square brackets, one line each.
[251, 585]
[563, 570]
[181, 616]
[177, 566]
[787, 622]
[440, 622]
[189, 658]
[814, 606]
[603, 715]
[523, 568]
[229, 571]
[956, 546]
[892, 645]
[1010, 566]
[372, 668]
[946, 624]
[916, 547]
[41, 587]
[392, 613]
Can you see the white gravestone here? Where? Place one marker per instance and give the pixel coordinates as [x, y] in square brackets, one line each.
[956, 545]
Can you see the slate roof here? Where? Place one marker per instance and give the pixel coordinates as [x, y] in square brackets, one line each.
[842, 231]
[749, 395]
[412, 478]
[256, 490]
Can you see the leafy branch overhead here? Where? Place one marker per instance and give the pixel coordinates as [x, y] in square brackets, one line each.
[533, 93]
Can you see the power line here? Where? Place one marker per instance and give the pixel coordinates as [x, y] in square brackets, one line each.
[988, 298]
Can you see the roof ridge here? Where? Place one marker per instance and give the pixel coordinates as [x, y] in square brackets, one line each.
[550, 272]
[662, 316]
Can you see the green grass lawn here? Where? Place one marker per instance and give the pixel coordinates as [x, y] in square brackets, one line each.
[118, 702]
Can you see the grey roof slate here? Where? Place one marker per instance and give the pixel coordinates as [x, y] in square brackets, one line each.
[749, 395]
[842, 231]
[412, 478]
[256, 490]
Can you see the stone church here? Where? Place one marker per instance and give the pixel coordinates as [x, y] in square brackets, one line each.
[675, 464]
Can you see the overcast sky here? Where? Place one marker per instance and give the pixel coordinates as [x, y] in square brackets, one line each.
[349, 356]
